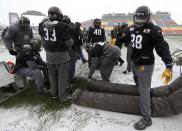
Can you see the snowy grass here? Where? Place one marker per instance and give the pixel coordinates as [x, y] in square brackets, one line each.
[30, 111]
[30, 97]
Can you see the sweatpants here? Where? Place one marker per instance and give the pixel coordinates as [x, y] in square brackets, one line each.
[58, 77]
[93, 65]
[106, 67]
[35, 74]
[72, 63]
[143, 76]
[128, 58]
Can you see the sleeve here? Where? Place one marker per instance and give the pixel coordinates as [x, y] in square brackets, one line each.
[103, 35]
[89, 35]
[127, 37]
[41, 25]
[31, 34]
[8, 38]
[65, 28]
[161, 46]
[41, 61]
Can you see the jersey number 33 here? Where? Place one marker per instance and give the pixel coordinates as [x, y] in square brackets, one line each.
[50, 35]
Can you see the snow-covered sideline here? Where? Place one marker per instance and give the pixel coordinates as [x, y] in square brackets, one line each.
[77, 118]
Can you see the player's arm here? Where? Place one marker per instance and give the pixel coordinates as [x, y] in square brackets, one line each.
[90, 35]
[162, 47]
[103, 35]
[66, 35]
[8, 40]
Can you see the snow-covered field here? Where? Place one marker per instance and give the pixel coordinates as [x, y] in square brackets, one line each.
[77, 118]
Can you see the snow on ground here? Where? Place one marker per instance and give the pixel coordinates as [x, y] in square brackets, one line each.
[77, 118]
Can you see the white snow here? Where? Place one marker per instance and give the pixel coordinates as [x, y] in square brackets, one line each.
[77, 118]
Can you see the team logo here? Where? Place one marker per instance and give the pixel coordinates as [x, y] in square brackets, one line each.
[131, 29]
[26, 37]
[146, 31]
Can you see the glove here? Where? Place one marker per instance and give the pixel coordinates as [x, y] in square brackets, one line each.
[167, 76]
[12, 52]
[113, 41]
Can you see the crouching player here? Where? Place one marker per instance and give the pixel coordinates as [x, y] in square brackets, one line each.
[27, 66]
[105, 55]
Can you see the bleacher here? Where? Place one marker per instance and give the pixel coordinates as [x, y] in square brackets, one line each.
[162, 19]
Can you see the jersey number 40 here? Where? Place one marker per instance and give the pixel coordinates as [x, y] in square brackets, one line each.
[98, 32]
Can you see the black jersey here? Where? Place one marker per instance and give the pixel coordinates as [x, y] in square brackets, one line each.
[96, 34]
[144, 40]
[34, 58]
[54, 34]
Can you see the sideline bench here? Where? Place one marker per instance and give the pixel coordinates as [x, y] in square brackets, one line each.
[10, 82]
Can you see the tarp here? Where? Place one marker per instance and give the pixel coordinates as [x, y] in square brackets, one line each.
[165, 100]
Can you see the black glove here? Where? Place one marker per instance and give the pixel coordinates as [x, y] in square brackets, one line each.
[12, 52]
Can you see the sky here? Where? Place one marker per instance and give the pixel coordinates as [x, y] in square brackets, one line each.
[81, 10]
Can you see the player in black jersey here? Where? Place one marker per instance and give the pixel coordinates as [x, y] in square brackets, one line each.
[145, 36]
[56, 41]
[96, 34]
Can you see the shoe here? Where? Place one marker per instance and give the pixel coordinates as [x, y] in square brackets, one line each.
[84, 61]
[67, 98]
[69, 90]
[74, 80]
[142, 124]
[126, 72]
[54, 97]
[43, 90]
[76, 95]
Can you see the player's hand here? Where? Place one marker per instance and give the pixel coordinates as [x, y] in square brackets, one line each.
[113, 41]
[167, 76]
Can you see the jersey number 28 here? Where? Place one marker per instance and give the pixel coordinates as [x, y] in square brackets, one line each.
[136, 41]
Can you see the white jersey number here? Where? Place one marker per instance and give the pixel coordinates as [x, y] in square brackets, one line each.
[136, 41]
[48, 37]
[98, 32]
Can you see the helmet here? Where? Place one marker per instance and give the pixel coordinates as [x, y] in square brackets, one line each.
[77, 24]
[36, 44]
[142, 16]
[124, 24]
[116, 25]
[97, 22]
[27, 48]
[66, 19]
[24, 22]
[54, 13]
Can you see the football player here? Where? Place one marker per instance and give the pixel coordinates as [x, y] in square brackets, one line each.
[18, 34]
[116, 38]
[145, 36]
[56, 41]
[27, 65]
[96, 34]
[104, 57]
